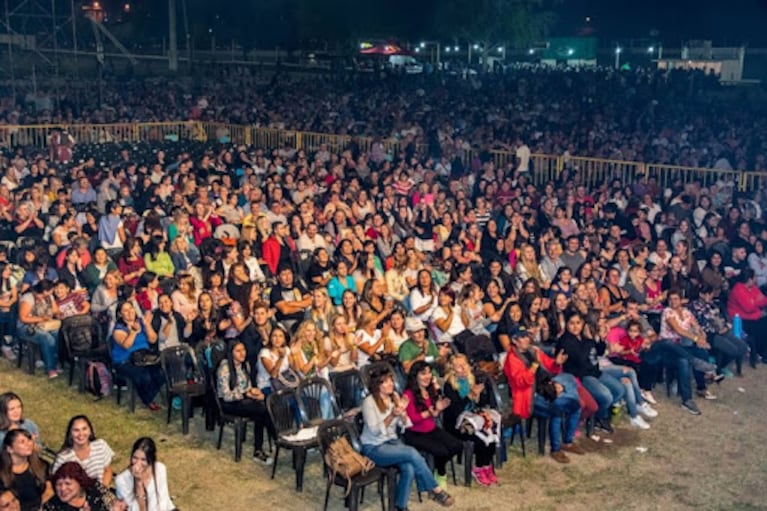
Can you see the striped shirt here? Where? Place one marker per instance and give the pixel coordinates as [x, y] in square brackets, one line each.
[100, 458]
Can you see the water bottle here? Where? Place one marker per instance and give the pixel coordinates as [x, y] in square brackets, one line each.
[737, 326]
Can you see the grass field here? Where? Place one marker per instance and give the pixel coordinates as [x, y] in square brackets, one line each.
[714, 462]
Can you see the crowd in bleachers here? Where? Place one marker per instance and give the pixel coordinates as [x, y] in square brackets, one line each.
[468, 300]
[645, 115]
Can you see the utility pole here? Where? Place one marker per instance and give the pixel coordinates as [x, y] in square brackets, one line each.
[172, 42]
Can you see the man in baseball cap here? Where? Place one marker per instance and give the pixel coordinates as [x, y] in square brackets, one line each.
[419, 347]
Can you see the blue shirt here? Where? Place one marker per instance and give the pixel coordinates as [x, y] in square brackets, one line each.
[119, 354]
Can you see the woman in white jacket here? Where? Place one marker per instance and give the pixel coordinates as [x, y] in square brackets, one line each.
[143, 486]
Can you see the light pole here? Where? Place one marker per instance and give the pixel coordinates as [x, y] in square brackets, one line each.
[618, 51]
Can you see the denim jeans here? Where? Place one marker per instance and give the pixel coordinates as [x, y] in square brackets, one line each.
[728, 348]
[664, 352]
[695, 351]
[628, 378]
[410, 463]
[606, 391]
[564, 406]
[148, 380]
[46, 340]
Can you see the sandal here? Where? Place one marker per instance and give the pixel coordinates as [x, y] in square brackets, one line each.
[443, 498]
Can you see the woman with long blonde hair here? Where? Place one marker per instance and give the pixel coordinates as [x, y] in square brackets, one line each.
[340, 350]
[321, 309]
[306, 356]
[527, 265]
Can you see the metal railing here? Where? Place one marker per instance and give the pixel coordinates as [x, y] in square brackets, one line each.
[545, 167]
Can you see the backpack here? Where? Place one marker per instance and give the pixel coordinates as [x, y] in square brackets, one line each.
[98, 381]
[342, 459]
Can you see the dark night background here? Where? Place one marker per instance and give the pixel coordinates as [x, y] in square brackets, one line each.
[265, 23]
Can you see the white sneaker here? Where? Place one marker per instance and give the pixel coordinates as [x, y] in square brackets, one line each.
[647, 396]
[8, 353]
[647, 410]
[639, 422]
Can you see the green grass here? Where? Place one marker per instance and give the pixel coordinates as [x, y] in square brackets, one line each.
[714, 462]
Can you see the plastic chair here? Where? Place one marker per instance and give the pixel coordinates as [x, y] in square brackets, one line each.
[239, 423]
[183, 379]
[316, 398]
[327, 433]
[120, 382]
[281, 405]
[82, 342]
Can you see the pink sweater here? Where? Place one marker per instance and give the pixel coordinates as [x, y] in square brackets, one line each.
[420, 425]
[747, 302]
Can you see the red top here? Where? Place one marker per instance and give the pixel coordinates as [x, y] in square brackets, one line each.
[420, 425]
[271, 253]
[522, 380]
[127, 267]
[632, 345]
[747, 302]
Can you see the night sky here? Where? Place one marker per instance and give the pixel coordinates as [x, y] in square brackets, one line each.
[726, 22]
[672, 22]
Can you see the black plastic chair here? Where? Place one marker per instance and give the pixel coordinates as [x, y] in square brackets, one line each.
[82, 342]
[349, 394]
[327, 433]
[119, 382]
[348, 389]
[240, 424]
[28, 350]
[281, 405]
[310, 394]
[501, 400]
[183, 379]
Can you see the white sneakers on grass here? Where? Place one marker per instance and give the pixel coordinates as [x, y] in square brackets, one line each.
[639, 422]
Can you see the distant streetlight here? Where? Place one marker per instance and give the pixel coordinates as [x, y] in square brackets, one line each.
[422, 45]
[455, 48]
[500, 49]
[476, 46]
[126, 7]
[447, 49]
[531, 51]
[651, 49]
[418, 50]
[570, 52]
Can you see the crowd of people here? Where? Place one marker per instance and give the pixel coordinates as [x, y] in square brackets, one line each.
[302, 262]
[646, 115]
[80, 475]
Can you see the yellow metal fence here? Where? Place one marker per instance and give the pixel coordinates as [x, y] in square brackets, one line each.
[545, 167]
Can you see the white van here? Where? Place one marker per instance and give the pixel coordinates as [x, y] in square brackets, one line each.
[410, 64]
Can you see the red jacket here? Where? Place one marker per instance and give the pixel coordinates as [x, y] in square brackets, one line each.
[522, 381]
[746, 302]
[271, 250]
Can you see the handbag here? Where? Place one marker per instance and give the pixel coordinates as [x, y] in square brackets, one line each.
[287, 379]
[144, 357]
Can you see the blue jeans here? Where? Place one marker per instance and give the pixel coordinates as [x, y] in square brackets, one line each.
[565, 407]
[606, 391]
[148, 380]
[664, 352]
[695, 351]
[628, 378]
[46, 340]
[410, 463]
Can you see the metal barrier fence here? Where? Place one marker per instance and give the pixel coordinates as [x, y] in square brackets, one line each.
[545, 167]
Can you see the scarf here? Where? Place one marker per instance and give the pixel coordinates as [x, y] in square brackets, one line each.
[463, 387]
